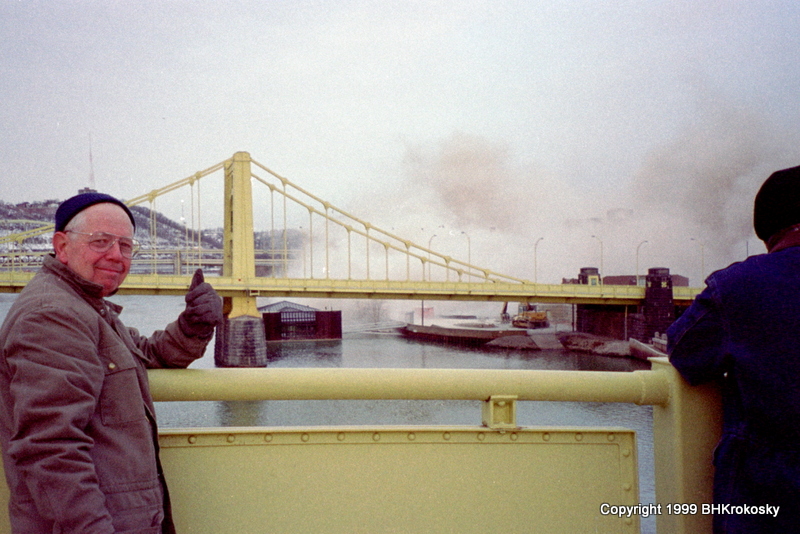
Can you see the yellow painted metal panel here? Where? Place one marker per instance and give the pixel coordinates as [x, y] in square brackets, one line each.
[391, 479]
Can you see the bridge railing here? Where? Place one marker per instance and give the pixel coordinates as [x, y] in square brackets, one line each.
[496, 475]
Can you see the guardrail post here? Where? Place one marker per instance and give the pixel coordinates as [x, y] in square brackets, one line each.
[500, 412]
[685, 431]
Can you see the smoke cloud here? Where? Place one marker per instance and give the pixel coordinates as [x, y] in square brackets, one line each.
[688, 207]
[709, 174]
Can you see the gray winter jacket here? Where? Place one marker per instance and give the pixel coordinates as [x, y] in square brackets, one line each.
[77, 422]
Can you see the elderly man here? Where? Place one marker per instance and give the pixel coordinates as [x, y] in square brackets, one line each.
[743, 330]
[77, 423]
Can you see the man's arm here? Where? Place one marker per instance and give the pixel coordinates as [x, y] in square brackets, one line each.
[696, 341]
[185, 340]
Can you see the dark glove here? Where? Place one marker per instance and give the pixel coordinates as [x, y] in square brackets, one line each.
[203, 308]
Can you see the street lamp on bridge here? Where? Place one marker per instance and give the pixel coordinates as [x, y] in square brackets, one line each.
[469, 254]
[637, 260]
[601, 258]
[535, 263]
[429, 256]
[702, 259]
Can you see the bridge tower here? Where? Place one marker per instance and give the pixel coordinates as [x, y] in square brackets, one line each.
[238, 247]
[240, 341]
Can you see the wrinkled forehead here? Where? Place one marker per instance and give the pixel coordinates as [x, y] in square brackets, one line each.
[104, 217]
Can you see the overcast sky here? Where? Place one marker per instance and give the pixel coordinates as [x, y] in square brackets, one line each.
[509, 121]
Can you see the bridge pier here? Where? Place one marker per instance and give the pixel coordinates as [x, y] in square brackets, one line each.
[241, 341]
[655, 313]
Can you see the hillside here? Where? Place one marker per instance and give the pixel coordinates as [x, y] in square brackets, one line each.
[15, 218]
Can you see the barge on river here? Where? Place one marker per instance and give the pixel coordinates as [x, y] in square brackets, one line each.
[474, 334]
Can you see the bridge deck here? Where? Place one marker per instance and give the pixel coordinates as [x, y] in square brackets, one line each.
[13, 282]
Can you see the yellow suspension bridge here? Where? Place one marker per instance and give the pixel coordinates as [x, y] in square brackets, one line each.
[378, 263]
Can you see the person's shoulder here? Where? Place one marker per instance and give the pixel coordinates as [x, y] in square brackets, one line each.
[44, 289]
[786, 254]
[763, 263]
[46, 294]
[743, 268]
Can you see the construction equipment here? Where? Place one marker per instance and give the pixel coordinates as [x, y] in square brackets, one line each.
[529, 317]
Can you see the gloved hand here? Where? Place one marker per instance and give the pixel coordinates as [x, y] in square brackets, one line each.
[203, 308]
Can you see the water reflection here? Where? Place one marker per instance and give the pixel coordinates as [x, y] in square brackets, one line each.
[304, 354]
[241, 413]
[365, 350]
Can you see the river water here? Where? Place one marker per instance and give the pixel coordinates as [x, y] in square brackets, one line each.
[149, 313]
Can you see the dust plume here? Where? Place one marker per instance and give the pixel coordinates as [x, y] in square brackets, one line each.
[472, 180]
[709, 173]
[688, 207]
[467, 184]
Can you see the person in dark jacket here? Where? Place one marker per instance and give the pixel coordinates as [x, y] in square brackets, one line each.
[77, 422]
[743, 330]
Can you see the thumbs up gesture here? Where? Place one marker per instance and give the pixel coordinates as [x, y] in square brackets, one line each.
[203, 308]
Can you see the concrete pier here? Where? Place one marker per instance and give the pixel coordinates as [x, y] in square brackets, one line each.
[241, 342]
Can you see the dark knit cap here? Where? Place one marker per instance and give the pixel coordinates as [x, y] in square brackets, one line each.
[72, 206]
[777, 204]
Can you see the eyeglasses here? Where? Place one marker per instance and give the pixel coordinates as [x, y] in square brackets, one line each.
[101, 242]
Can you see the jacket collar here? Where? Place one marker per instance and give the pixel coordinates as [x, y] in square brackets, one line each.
[89, 290]
[788, 237]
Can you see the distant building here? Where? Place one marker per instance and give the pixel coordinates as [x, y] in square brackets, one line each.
[642, 322]
[285, 306]
[588, 276]
[591, 276]
[286, 321]
[630, 280]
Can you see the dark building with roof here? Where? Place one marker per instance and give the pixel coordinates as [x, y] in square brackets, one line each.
[641, 322]
[287, 321]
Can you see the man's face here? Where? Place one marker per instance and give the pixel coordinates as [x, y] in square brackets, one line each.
[109, 268]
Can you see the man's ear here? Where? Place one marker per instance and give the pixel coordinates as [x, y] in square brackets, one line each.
[60, 242]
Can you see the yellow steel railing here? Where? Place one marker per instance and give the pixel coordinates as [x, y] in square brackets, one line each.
[637, 387]
[494, 476]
